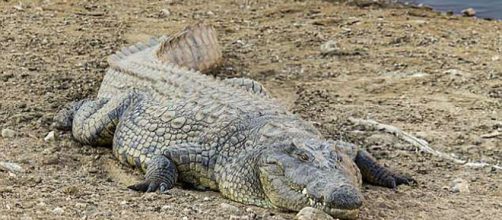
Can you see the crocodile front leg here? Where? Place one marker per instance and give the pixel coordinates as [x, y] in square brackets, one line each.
[377, 174]
[371, 171]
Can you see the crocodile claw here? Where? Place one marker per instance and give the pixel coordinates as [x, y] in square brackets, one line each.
[150, 186]
[401, 180]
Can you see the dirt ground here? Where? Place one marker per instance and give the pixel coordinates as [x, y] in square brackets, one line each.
[436, 76]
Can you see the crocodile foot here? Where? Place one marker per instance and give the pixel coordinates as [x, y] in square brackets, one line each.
[150, 186]
[64, 118]
[161, 174]
[377, 174]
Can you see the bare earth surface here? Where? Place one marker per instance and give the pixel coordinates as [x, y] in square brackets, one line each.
[438, 77]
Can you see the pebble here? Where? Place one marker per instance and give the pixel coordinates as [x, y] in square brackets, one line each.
[329, 48]
[58, 211]
[11, 167]
[8, 189]
[309, 213]
[469, 12]
[229, 208]
[165, 13]
[80, 205]
[206, 198]
[166, 207]
[459, 185]
[51, 160]
[456, 73]
[8, 133]
[18, 7]
[36, 179]
[235, 217]
[50, 137]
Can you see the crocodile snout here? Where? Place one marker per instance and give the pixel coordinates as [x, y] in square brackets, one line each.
[344, 197]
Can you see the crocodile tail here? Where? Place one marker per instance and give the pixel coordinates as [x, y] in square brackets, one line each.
[138, 47]
[196, 48]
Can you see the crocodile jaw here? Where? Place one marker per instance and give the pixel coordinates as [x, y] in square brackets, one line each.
[342, 213]
[334, 212]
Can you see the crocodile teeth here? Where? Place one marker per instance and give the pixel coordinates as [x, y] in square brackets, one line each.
[311, 202]
[318, 205]
[304, 191]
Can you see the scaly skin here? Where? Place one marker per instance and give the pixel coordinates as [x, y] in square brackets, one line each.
[180, 126]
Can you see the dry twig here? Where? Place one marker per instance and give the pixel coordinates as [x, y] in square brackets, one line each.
[416, 142]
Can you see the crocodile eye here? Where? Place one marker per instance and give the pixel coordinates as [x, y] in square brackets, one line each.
[303, 157]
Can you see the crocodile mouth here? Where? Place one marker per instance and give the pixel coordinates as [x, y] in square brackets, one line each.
[300, 198]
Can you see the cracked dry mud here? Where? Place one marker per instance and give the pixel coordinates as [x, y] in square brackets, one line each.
[437, 77]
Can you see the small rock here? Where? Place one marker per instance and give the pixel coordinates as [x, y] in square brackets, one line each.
[210, 13]
[164, 13]
[329, 48]
[166, 207]
[8, 133]
[185, 218]
[229, 208]
[71, 190]
[459, 185]
[58, 211]
[94, 170]
[80, 205]
[420, 22]
[11, 167]
[206, 198]
[50, 137]
[469, 12]
[496, 58]
[187, 210]
[456, 73]
[309, 213]
[36, 179]
[18, 7]
[236, 217]
[26, 218]
[51, 160]
[7, 189]
[123, 202]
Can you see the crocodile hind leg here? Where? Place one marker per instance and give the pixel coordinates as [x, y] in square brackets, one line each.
[93, 122]
[371, 171]
[63, 120]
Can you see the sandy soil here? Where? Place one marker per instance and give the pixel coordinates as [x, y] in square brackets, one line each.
[438, 77]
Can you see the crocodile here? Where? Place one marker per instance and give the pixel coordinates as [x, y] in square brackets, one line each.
[162, 115]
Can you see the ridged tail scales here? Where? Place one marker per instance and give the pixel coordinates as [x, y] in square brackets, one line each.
[196, 48]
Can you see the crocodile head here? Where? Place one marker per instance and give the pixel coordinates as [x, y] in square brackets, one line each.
[311, 173]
